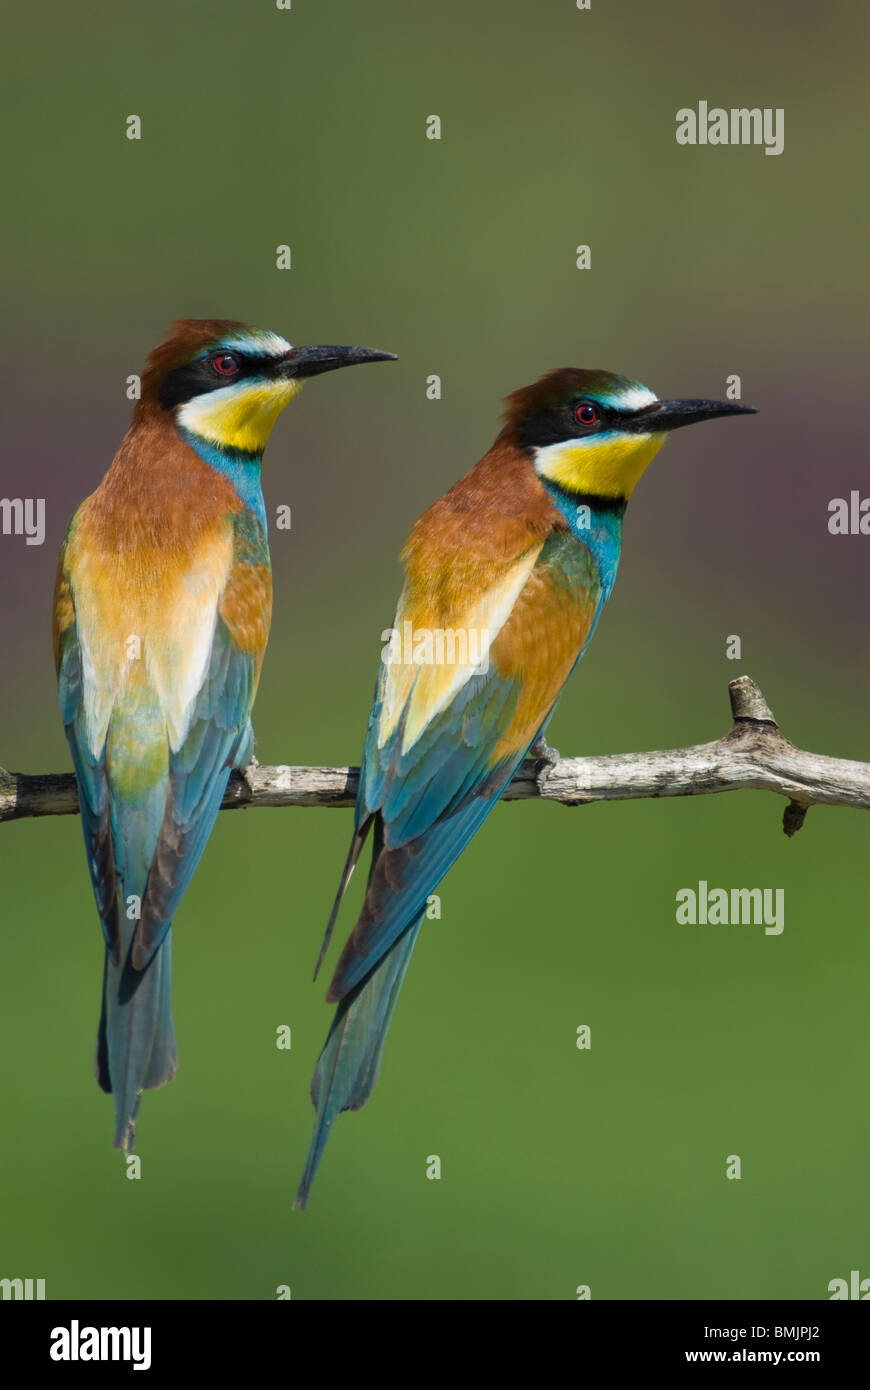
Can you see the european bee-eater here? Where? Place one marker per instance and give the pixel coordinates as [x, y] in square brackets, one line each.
[162, 612]
[505, 580]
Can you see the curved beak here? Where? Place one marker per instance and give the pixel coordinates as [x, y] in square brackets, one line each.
[311, 361]
[673, 415]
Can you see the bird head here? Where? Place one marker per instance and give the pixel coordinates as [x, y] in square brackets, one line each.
[593, 433]
[227, 383]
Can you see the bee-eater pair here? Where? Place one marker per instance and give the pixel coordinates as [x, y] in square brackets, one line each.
[161, 619]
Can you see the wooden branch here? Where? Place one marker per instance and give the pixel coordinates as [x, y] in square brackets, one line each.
[753, 754]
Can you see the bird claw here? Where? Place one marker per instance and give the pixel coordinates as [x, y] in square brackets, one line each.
[541, 749]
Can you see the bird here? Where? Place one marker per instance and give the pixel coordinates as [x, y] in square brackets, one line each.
[512, 567]
[162, 609]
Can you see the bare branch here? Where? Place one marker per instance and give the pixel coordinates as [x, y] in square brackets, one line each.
[753, 754]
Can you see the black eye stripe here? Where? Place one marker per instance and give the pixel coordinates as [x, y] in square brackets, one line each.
[199, 377]
[559, 423]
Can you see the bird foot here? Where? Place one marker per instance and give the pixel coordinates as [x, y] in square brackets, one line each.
[248, 770]
[542, 750]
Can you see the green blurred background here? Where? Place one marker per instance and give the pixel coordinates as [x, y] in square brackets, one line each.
[560, 1167]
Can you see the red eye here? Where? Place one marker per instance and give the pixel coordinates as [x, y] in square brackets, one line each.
[587, 413]
[226, 364]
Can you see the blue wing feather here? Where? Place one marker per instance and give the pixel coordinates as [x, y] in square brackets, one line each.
[219, 737]
[430, 801]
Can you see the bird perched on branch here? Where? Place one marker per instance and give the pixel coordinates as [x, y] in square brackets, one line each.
[511, 568]
[162, 612]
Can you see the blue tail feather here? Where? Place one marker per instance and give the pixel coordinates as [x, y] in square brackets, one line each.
[347, 1068]
[136, 1042]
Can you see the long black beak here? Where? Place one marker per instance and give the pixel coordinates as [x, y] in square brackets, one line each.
[311, 361]
[673, 415]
